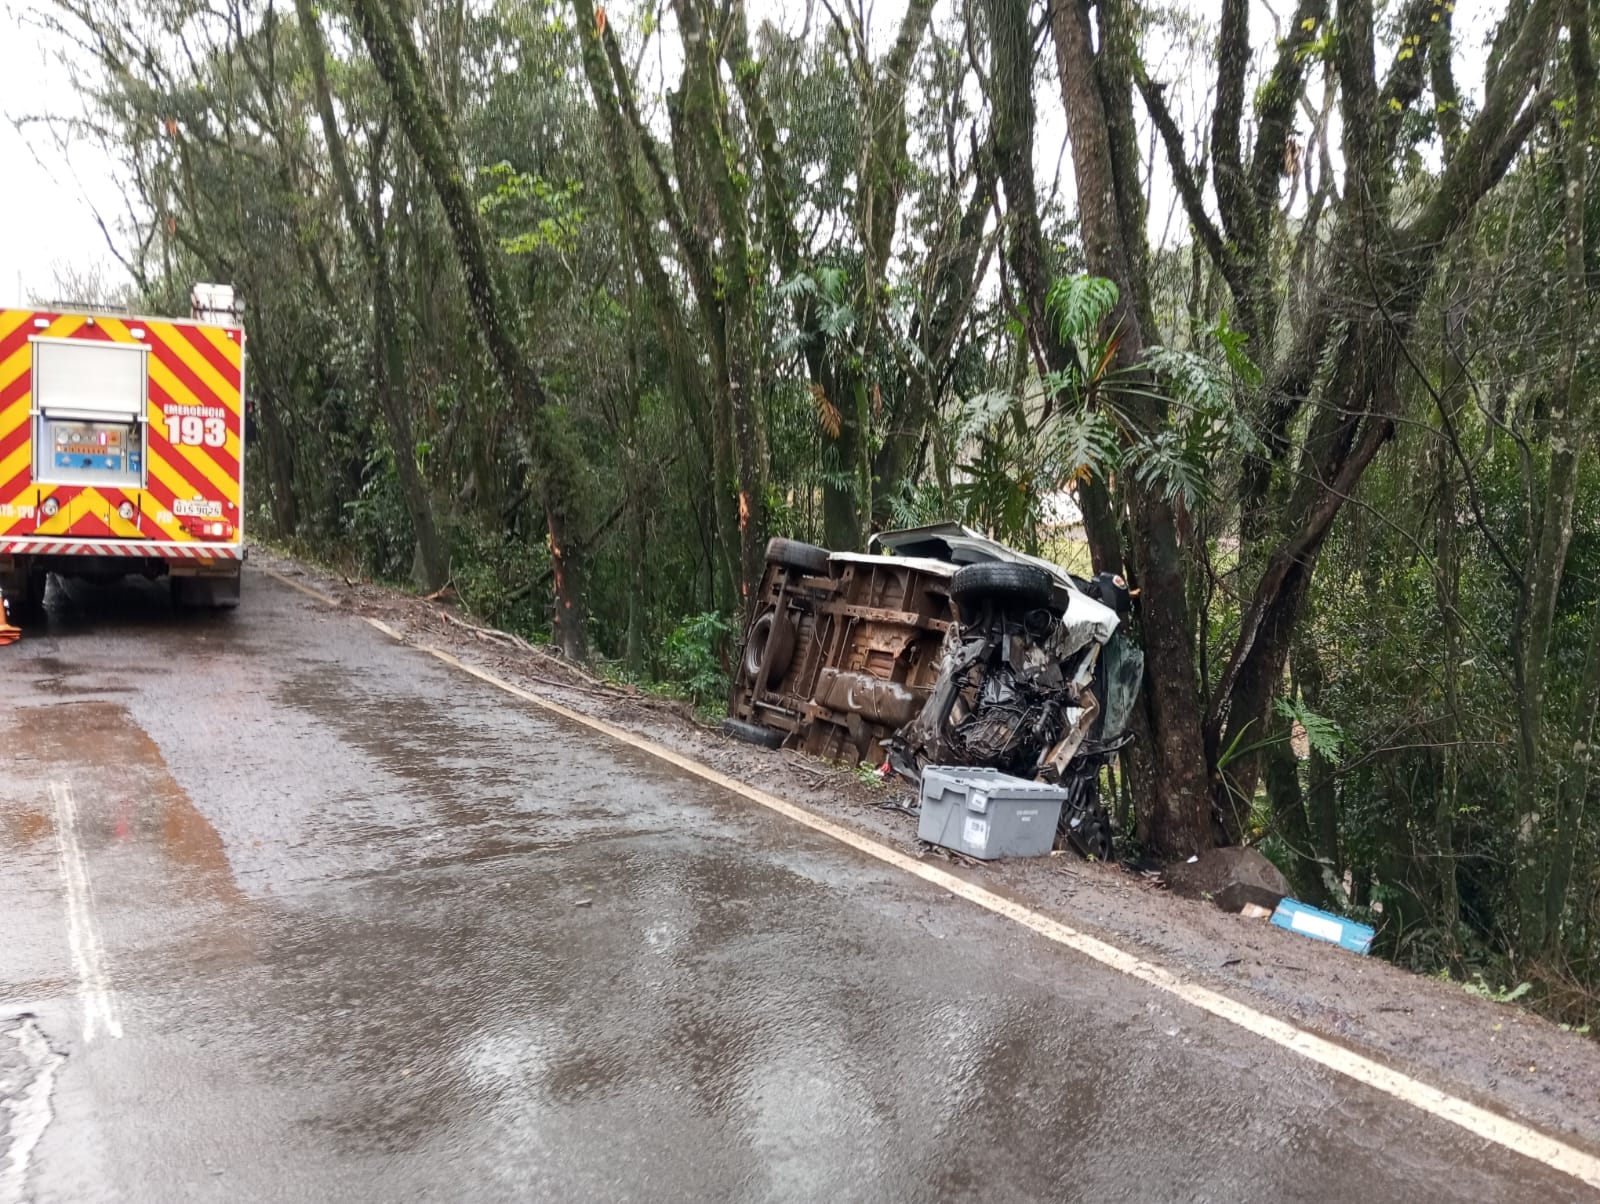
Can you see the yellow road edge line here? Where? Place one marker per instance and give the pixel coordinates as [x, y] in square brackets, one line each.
[1502, 1131]
[308, 591]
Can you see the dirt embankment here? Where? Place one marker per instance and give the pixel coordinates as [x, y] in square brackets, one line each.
[1498, 1055]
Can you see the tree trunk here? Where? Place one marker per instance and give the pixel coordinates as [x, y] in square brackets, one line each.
[1175, 806]
[388, 367]
[616, 112]
[963, 262]
[841, 499]
[278, 450]
[1289, 815]
[1570, 407]
[553, 454]
[1575, 795]
[388, 358]
[1453, 399]
[703, 108]
[1011, 90]
[1322, 804]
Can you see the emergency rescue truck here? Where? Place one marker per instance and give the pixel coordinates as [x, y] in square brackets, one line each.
[122, 450]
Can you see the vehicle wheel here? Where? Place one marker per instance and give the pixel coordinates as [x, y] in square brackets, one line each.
[792, 554]
[753, 733]
[1084, 824]
[774, 630]
[1092, 838]
[25, 592]
[1002, 581]
[205, 593]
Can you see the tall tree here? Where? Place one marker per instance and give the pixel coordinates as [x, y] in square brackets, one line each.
[1379, 280]
[367, 224]
[1176, 808]
[1547, 802]
[553, 456]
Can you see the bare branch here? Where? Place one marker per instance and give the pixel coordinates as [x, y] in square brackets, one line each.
[1501, 128]
[1233, 63]
[1188, 186]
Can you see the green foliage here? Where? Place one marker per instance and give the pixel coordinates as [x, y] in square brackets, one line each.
[498, 580]
[1233, 342]
[918, 504]
[1173, 465]
[1325, 736]
[1483, 990]
[695, 657]
[541, 214]
[868, 776]
[378, 521]
[1084, 443]
[834, 310]
[1000, 493]
[1078, 305]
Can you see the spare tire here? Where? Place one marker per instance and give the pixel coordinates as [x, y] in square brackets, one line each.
[792, 554]
[1002, 581]
[753, 733]
[771, 628]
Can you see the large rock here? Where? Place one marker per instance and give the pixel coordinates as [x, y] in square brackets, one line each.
[1230, 878]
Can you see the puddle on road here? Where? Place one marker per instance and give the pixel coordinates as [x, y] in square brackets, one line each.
[448, 785]
[58, 676]
[58, 685]
[25, 824]
[123, 784]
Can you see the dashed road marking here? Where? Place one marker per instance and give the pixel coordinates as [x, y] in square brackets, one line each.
[101, 1011]
[1490, 1126]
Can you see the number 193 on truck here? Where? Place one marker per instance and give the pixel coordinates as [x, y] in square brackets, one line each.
[122, 450]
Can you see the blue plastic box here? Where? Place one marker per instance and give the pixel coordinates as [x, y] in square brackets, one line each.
[1323, 926]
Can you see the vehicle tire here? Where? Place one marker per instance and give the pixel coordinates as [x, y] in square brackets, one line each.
[25, 592]
[774, 630]
[1084, 824]
[205, 593]
[1093, 840]
[753, 733]
[792, 554]
[1002, 581]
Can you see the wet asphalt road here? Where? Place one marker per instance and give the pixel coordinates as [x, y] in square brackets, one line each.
[370, 930]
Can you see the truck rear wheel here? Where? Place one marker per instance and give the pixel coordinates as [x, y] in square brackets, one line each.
[802, 557]
[25, 589]
[206, 593]
[774, 631]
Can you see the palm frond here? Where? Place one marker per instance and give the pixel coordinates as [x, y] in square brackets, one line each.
[1078, 304]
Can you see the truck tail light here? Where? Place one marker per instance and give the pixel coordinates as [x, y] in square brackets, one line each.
[211, 529]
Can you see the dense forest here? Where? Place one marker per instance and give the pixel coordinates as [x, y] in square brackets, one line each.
[575, 308]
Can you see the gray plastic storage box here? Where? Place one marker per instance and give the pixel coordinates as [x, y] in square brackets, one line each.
[988, 814]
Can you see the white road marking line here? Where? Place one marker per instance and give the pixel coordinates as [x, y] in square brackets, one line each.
[1502, 1131]
[31, 1109]
[101, 1011]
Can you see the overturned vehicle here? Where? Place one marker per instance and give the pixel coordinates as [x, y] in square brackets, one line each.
[941, 647]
